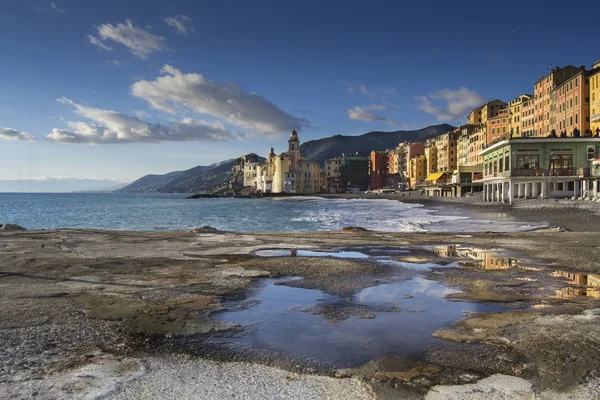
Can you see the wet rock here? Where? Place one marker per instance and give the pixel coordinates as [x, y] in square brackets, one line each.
[354, 229]
[244, 273]
[495, 387]
[11, 228]
[205, 229]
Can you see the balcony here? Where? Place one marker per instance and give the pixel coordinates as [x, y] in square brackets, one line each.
[517, 173]
[595, 117]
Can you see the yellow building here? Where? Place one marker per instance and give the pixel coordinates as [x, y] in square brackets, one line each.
[477, 142]
[446, 151]
[491, 109]
[286, 173]
[474, 117]
[417, 170]
[594, 95]
[515, 109]
[431, 157]
[462, 144]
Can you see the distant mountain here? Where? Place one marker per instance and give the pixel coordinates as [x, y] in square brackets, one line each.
[60, 185]
[205, 179]
[321, 149]
[195, 180]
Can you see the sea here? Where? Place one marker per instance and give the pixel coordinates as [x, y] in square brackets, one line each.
[169, 212]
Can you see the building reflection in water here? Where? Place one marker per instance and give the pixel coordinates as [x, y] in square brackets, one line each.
[592, 283]
[477, 258]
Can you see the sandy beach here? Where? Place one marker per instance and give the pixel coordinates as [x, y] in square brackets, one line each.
[132, 315]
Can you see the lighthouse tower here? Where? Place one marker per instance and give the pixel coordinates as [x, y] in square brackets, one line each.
[294, 149]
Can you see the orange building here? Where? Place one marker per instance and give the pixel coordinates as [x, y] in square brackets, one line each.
[545, 99]
[497, 127]
[378, 166]
[527, 118]
[572, 109]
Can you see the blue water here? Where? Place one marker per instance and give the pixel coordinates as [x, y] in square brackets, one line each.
[162, 212]
[411, 311]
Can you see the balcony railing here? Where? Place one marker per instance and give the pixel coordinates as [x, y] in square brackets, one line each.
[581, 172]
[595, 117]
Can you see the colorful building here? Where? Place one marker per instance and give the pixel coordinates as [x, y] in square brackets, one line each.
[333, 172]
[431, 157]
[446, 151]
[355, 173]
[594, 96]
[378, 166]
[515, 108]
[287, 172]
[497, 127]
[417, 170]
[527, 118]
[572, 110]
[545, 99]
[539, 168]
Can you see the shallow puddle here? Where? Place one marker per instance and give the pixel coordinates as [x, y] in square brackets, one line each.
[309, 253]
[384, 320]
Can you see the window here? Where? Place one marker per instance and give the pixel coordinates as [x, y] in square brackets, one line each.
[530, 161]
[576, 118]
[561, 162]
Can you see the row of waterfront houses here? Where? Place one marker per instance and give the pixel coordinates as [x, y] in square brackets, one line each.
[544, 144]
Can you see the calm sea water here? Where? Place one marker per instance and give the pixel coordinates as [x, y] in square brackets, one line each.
[161, 212]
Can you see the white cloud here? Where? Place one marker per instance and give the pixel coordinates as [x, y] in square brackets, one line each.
[139, 42]
[450, 105]
[176, 92]
[116, 63]
[56, 8]
[97, 42]
[181, 23]
[141, 114]
[114, 127]
[15, 134]
[377, 91]
[369, 114]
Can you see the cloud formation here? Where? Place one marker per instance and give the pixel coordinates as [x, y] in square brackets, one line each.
[15, 134]
[377, 91]
[450, 105]
[181, 23]
[139, 41]
[178, 92]
[115, 127]
[97, 42]
[369, 114]
[57, 8]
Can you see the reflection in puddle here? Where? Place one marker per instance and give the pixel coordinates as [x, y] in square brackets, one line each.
[385, 320]
[578, 279]
[477, 258]
[308, 253]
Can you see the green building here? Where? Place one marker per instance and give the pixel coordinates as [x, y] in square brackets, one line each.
[540, 168]
[355, 173]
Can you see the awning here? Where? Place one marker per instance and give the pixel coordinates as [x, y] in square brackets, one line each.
[435, 176]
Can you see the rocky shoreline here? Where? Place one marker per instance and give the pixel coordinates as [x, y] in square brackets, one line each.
[102, 313]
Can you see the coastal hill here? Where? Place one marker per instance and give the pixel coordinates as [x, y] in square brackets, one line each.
[204, 179]
[321, 149]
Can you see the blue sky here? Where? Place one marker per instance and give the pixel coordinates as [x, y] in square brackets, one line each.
[114, 89]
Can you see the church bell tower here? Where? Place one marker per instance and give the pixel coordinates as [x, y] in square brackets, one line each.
[294, 149]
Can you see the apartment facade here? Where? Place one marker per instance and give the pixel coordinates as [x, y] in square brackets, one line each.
[333, 173]
[539, 168]
[545, 98]
[417, 170]
[447, 151]
[572, 106]
[594, 95]
[378, 167]
[431, 157]
[355, 173]
[498, 126]
[527, 118]
[515, 108]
